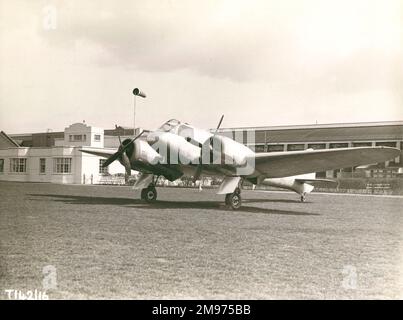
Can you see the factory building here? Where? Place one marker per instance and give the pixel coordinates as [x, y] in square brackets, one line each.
[55, 156]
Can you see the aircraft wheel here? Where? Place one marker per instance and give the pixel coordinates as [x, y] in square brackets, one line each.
[233, 200]
[149, 194]
[303, 198]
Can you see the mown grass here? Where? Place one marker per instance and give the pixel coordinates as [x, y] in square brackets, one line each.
[105, 243]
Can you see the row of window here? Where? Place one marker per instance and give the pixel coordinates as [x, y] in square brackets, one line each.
[300, 146]
[60, 165]
[83, 137]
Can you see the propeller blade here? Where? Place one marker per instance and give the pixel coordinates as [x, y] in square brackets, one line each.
[127, 165]
[120, 152]
[112, 158]
[219, 124]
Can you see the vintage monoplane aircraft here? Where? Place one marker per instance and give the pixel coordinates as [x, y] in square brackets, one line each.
[177, 149]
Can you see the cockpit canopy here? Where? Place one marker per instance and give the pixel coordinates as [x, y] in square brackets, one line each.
[185, 130]
[169, 125]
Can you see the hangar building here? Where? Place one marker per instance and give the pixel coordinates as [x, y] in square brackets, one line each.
[55, 156]
[328, 136]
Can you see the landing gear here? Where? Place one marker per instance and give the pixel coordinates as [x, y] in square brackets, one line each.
[149, 194]
[303, 197]
[233, 200]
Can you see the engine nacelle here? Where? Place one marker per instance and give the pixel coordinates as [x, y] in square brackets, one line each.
[228, 151]
[144, 152]
[174, 149]
[289, 183]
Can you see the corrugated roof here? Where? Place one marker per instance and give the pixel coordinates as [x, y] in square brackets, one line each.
[337, 134]
[326, 133]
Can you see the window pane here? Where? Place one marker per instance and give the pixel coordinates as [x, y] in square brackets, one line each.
[62, 165]
[295, 147]
[275, 147]
[338, 145]
[102, 169]
[317, 146]
[259, 148]
[386, 144]
[18, 165]
[362, 144]
[42, 165]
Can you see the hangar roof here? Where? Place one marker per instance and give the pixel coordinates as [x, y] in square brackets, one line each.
[364, 131]
[327, 132]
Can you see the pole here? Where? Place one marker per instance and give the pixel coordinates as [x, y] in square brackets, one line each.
[134, 115]
[136, 92]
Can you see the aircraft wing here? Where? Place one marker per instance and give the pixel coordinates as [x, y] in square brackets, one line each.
[99, 152]
[284, 164]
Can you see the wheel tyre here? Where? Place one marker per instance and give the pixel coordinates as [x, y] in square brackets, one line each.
[303, 198]
[233, 200]
[143, 193]
[150, 194]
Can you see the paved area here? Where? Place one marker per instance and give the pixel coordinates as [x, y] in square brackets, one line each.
[103, 242]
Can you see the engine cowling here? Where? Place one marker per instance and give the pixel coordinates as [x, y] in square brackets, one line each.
[227, 151]
[144, 152]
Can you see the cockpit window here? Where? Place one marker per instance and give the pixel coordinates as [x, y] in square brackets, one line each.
[169, 125]
[184, 130]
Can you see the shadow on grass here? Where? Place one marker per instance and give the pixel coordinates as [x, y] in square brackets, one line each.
[272, 200]
[141, 204]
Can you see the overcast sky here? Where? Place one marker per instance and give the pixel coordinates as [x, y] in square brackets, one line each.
[258, 62]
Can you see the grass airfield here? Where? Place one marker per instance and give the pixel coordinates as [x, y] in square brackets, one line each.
[106, 243]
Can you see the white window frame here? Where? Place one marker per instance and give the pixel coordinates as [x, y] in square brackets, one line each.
[77, 137]
[40, 165]
[102, 170]
[62, 165]
[18, 165]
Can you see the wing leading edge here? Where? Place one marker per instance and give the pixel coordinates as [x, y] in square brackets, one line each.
[283, 164]
[99, 152]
